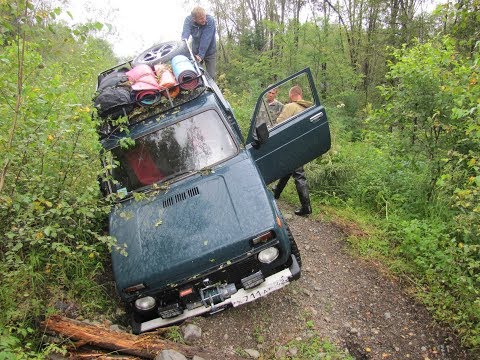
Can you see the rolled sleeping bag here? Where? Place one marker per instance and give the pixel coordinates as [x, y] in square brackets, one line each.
[147, 97]
[184, 72]
[167, 80]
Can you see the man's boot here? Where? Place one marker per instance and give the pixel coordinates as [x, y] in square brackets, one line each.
[303, 195]
[280, 186]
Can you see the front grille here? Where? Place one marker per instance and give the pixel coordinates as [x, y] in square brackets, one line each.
[235, 272]
[248, 269]
[229, 274]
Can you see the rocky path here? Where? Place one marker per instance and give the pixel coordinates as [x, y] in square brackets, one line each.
[345, 300]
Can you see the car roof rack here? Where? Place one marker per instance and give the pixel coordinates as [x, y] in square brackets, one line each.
[107, 126]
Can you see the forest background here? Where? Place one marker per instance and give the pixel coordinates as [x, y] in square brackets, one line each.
[401, 91]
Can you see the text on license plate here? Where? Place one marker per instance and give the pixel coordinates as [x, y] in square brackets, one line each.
[250, 295]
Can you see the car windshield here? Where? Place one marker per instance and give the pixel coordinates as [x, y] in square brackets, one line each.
[187, 146]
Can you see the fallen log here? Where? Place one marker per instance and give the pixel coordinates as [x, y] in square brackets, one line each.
[98, 355]
[145, 346]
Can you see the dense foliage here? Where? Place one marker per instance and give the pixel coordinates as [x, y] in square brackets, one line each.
[401, 90]
[435, 89]
[52, 242]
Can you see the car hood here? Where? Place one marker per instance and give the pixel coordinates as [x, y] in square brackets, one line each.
[188, 230]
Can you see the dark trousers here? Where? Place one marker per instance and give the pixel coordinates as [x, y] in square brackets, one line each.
[210, 62]
[300, 183]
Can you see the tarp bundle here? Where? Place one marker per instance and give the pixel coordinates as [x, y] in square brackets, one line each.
[166, 80]
[113, 97]
[185, 72]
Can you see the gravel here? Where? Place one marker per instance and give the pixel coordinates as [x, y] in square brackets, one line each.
[351, 302]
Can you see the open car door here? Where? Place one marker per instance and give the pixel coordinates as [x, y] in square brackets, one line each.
[280, 148]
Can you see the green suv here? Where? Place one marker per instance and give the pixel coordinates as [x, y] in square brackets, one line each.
[201, 230]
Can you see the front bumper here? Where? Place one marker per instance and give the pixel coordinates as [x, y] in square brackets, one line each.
[242, 296]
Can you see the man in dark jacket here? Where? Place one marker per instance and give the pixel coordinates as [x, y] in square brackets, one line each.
[202, 29]
[296, 106]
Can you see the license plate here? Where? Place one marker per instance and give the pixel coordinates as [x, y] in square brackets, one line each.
[246, 296]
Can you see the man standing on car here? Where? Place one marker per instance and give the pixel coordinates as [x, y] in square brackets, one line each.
[202, 29]
[296, 106]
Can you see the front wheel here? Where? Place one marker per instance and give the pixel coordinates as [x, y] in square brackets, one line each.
[162, 53]
[294, 247]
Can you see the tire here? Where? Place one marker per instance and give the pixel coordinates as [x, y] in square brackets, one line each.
[161, 53]
[294, 246]
[135, 324]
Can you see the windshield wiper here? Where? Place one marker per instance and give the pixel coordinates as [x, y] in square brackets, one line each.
[148, 188]
[176, 174]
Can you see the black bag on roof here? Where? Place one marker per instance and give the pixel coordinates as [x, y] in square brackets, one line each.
[114, 78]
[113, 95]
[113, 102]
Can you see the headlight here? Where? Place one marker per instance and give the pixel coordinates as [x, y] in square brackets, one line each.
[268, 255]
[145, 303]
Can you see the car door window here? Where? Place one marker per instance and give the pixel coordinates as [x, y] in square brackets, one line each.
[273, 100]
[295, 135]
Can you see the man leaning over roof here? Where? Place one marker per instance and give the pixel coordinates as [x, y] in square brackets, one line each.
[202, 29]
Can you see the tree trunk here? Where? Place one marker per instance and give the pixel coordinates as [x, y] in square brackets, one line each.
[145, 346]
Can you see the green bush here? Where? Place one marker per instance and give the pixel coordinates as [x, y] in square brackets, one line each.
[51, 216]
[374, 179]
[417, 169]
[447, 271]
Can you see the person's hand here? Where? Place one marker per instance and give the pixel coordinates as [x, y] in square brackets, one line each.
[199, 59]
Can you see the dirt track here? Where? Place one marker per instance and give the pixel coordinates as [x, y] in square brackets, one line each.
[350, 302]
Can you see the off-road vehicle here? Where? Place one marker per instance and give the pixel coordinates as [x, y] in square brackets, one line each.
[199, 225]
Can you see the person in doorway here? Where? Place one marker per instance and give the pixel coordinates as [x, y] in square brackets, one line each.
[296, 105]
[201, 27]
[271, 109]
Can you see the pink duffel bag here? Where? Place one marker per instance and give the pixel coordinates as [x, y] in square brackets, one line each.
[142, 77]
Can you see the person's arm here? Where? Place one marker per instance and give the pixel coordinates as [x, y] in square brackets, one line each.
[187, 27]
[287, 112]
[277, 110]
[208, 35]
